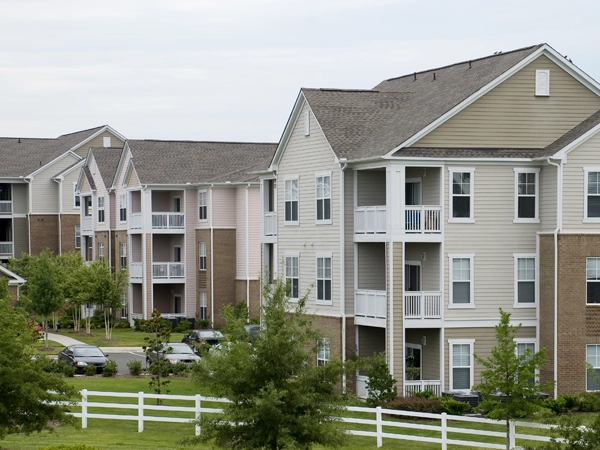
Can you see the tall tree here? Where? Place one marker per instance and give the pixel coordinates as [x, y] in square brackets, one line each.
[510, 387]
[159, 335]
[72, 268]
[27, 393]
[280, 396]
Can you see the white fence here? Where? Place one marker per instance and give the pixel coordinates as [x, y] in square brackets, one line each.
[441, 428]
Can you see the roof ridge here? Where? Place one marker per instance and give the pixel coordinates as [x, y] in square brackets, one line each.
[81, 131]
[201, 142]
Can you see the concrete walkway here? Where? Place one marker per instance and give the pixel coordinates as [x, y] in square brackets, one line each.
[66, 341]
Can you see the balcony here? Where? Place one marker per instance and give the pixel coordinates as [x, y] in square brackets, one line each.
[423, 219]
[5, 206]
[168, 271]
[370, 308]
[370, 220]
[168, 221]
[414, 386]
[6, 249]
[422, 305]
[87, 225]
[135, 221]
[270, 222]
[135, 271]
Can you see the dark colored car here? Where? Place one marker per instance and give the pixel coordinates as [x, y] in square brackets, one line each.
[203, 338]
[179, 352]
[81, 356]
[253, 330]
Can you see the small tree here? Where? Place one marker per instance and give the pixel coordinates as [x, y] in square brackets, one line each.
[72, 268]
[157, 344]
[381, 385]
[510, 387]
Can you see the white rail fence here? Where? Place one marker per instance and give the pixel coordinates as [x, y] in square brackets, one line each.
[381, 420]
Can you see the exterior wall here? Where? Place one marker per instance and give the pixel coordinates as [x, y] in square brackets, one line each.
[116, 238]
[101, 191]
[241, 287]
[429, 256]
[21, 236]
[104, 237]
[20, 198]
[371, 266]
[133, 180]
[252, 228]
[430, 352]
[511, 116]
[120, 189]
[349, 246]
[224, 272]
[98, 141]
[67, 232]
[395, 319]
[223, 207]
[546, 321]
[44, 191]
[68, 203]
[190, 252]
[548, 205]
[44, 233]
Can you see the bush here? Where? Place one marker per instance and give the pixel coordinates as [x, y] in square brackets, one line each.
[49, 365]
[65, 321]
[454, 407]
[588, 402]
[557, 406]
[381, 385]
[183, 327]
[90, 370]
[110, 368]
[68, 370]
[427, 393]
[181, 369]
[139, 324]
[415, 404]
[97, 320]
[202, 323]
[121, 323]
[135, 367]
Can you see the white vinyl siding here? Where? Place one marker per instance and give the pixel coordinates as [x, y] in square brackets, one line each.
[526, 195]
[462, 182]
[461, 364]
[525, 280]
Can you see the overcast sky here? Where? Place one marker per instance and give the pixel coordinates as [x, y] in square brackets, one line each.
[231, 69]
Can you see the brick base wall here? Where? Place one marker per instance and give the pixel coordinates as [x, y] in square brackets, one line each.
[44, 233]
[67, 232]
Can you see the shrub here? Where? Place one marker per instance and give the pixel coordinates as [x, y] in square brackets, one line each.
[427, 393]
[97, 320]
[139, 324]
[454, 407]
[110, 368]
[183, 326]
[65, 321]
[181, 369]
[68, 370]
[557, 406]
[381, 385]
[135, 367]
[415, 404]
[588, 402]
[202, 323]
[121, 323]
[90, 370]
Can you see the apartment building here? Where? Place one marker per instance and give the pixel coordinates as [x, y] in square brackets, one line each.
[183, 218]
[415, 210]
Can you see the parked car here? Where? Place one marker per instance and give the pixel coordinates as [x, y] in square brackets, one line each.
[253, 330]
[81, 356]
[205, 338]
[174, 352]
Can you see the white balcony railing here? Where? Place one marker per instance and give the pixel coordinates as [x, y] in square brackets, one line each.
[361, 386]
[135, 221]
[87, 224]
[6, 249]
[423, 219]
[168, 270]
[5, 206]
[271, 223]
[413, 386]
[135, 270]
[168, 221]
[370, 220]
[422, 305]
[370, 304]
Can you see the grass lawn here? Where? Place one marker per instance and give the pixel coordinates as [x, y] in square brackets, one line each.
[121, 337]
[53, 347]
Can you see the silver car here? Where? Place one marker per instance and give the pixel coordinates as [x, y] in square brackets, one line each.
[174, 352]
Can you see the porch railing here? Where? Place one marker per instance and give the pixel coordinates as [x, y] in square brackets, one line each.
[413, 386]
[5, 206]
[168, 270]
[361, 386]
[6, 249]
[135, 221]
[370, 303]
[271, 223]
[135, 270]
[168, 221]
[87, 224]
[423, 219]
[370, 220]
[422, 305]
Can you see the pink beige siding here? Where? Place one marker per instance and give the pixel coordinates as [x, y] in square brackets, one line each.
[223, 207]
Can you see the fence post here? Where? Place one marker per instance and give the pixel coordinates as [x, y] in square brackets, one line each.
[84, 408]
[511, 432]
[198, 414]
[379, 427]
[444, 431]
[140, 412]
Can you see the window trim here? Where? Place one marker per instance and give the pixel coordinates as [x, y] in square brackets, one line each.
[285, 191]
[203, 193]
[306, 123]
[99, 208]
[536, 218]
[323, 255]
[323, 351]
[122, 245]
[451, 172]
[285, 272]
[516, 257]
[535, 349]
[451, 257]
[76, 197]
[451, 343]
[202, 255]
[77, 236]
[590, 281]
[586, 171]
[203, 306]
[101, 250]
[323, 221]
[122, 206]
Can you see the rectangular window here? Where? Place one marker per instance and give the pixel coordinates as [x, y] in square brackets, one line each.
[324, 279]
[461, 361]
[526, 195]
[323, 198]
[100, 250]
[593, 358]
[323, 351]
[203, 307]
[461, 280]
[593, 280]
[106, 141]
[461, 195]
[292, 272]
[202, 256]
[202, 205]
[592, 200]
[292, 195]
[524, 279]
[124, 308]
[123, 207]
[100, 209]
[76, 198]
[306, 123]
[123, 254]
[77, 236]
[525, 349]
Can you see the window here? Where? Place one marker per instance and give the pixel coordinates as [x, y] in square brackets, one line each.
[542, 83]
[323, 351]
[291, 201]
[592, 196]
[123, 254]
[527, 349]
[100, 250]
[202, 256]
[324, 279]
[77, 236]
[292, 271]
[202, 206]
[323, 198]
[593, 358]
[203, 307]
[100, 209]
[524, 279]
[461, 364]
[461, 280]
[124, 308]
[526, 192]
[593, 280]
[307, 123]
[123, 207]
[177, 304]
[76, 198]
[461, 195]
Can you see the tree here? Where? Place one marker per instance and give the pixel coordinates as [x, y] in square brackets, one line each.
[27, 393]
[280, 397]
[157, 343]
[510, 387]
[381, 385]
[72, 270]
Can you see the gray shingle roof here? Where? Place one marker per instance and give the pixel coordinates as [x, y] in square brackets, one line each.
[573, 134]
[442, 153]
[180, 162]
[107, 159]
[90, 178]
[363, 124]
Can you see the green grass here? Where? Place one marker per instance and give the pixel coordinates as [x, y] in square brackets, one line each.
[53, 347]
[121, 337]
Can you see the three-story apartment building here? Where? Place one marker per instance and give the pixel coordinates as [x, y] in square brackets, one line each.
[415, 210]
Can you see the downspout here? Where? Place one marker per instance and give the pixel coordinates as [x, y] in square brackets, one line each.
[107, 200]
[343, 164]
[60, 212]
[247, 254]
[212, 260]
[28, 180]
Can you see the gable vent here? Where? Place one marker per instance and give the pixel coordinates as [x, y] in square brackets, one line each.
[542, 83]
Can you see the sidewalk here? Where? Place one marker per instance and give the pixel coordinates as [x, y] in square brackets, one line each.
[66, 341]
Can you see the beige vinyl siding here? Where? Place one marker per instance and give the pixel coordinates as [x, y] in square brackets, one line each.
[308, 238]
[101, 191]
[136, 248]
[511, 116]
[371, 340]
[397, 312]
[371, 187]
[575, 184]
[67, 192]
[21, 200]
[254, 232]
[349, 247]
[223, 207]
[133, 180]
[493, 239]
[85, 186]
[98, 141]
[44, 191]
[189, 203]
[548, 205]
[371, 266]
[21, 236]
[120, 189]
[430, 266]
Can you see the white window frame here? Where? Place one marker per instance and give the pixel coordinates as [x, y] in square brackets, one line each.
[106, 141]
[323, 351]
[122, 207]
[536, 217]
[288, 197]
[595, 362]
[527, 341]
[290, 275]
[542, 90]
[203, 312]
[77, 236]
[517, 257]
[201, 255]
[586, 172]
[123, 254]
[451, 258]
[451, 344]
[100, 250]
[76, 198]
[306, 123]
[203, 205]
[323, 256]
[587, 278]
[101, 209]
[451, 172]
[321, 178]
